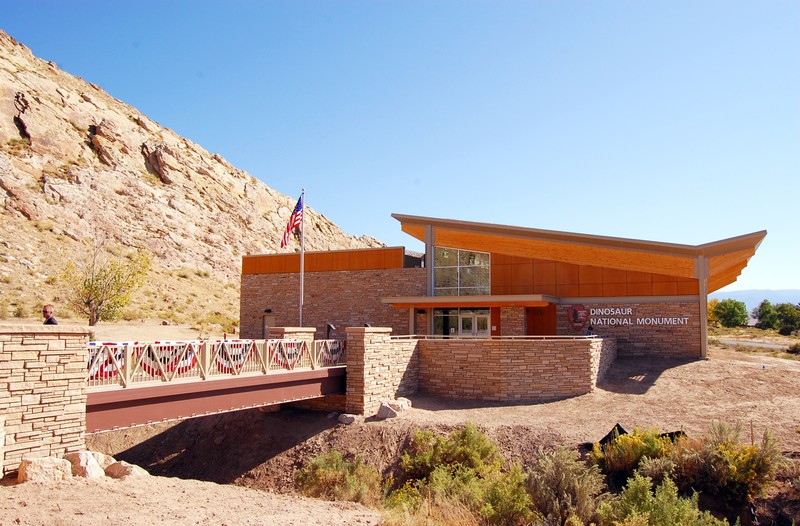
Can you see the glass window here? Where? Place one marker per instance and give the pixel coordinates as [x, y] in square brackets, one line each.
[461, 272]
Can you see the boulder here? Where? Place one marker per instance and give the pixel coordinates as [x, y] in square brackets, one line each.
[400, 404]
[386, 411]
[47, 469]
[84, 464]
[103, 459]
[346, 419]
[122, 469]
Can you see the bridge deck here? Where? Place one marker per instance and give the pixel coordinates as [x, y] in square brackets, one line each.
[125, 407]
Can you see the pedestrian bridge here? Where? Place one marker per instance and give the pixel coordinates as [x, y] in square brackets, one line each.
[136, 383]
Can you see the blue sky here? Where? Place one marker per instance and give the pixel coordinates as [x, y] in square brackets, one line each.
[669, 121]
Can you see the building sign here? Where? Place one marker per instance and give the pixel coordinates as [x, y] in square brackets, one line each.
[608, 316]
[578, 316]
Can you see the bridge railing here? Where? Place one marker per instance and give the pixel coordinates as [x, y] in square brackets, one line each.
[129, 363]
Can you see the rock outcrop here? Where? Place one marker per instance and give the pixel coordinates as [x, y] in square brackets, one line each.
[78, 165]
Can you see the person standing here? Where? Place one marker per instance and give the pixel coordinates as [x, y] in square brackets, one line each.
[49, 319]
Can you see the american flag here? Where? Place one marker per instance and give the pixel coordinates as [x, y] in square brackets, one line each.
[295, 220]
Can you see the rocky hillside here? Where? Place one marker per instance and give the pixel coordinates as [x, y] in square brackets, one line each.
[78, 167]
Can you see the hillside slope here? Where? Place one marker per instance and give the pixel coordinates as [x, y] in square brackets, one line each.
[78, 167]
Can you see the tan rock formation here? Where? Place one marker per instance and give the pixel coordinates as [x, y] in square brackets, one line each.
[77, 164]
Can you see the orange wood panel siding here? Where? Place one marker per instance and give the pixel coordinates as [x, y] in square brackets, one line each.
[367, 259]
[515, 275]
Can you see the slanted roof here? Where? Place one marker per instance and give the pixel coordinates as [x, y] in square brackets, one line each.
[726, 258]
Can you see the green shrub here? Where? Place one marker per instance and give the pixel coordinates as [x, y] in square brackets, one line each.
[656, 469]
[624, 452]
[638, 505]
[466, 447]
[460, 470]
[563, 487]
[330, 476]
[721, 465]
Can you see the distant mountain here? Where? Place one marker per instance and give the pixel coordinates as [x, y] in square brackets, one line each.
[752, 298]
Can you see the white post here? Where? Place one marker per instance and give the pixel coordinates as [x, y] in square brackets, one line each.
[302, 249]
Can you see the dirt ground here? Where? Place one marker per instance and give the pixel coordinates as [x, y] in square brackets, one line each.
[248, 459]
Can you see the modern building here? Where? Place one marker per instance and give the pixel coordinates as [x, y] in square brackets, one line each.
[479, 280]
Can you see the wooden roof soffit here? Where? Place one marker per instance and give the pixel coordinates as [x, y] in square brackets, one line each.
[726, 257]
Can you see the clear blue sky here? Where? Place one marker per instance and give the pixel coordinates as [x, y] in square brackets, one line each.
[674, 121]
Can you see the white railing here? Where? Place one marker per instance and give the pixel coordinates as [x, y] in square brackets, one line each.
[128, 363]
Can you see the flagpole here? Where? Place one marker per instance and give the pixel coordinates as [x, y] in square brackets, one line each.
[302, 250]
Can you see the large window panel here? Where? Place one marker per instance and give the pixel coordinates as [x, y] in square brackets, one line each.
[461, 272]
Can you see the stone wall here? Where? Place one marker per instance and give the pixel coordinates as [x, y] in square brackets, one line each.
[603, 353]
[42, 391]
[379, 369]
[342, 298]
[512, 321]
[653, 330]
[508, 370]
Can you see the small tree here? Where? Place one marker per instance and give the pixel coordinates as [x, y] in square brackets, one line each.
[766, 315]
[731, 313]
[788, 317]
[100, 287]
[711, 306]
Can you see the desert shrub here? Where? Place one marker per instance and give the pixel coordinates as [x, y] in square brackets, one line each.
[20, 311]
[462, 467]
[463, 448]
[330, 476]
[656, 469]
[639, 504]
[564, 488]
[720, 464]
[226, 323]
[794, 348]
[444, 513]
[624, 452]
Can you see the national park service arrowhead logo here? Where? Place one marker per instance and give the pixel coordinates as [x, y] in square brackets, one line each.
[578, 316]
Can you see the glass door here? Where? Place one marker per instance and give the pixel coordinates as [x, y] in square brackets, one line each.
[473, 325]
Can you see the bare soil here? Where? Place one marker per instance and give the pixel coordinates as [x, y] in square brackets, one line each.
[249, 459]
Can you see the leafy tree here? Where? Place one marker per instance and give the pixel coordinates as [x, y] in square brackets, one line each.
[100, 287]
[712, 318]
[788, 317]
[731, 313]
[766, 315]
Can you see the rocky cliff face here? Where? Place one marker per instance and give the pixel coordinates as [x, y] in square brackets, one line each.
[77, 166]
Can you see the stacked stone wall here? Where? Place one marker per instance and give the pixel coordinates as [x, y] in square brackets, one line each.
[341, 298]
[512, 321]
[42, 392]
[379, 369]
[603, 353]
[509, 370]
[652, 330]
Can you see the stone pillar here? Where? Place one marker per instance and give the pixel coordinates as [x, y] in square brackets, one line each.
[512, 321]
[369, 376]
[42, 391]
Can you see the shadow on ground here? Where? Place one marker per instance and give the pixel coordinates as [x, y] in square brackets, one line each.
[221, 448]
[636, 375]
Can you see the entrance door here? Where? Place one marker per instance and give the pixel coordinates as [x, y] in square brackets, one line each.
[472, 325]
[541, 321]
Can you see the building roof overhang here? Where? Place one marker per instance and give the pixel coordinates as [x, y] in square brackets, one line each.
[721, 262]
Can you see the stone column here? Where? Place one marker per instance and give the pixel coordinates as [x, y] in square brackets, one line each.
[369, 378]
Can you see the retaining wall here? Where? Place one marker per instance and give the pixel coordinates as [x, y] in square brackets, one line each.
[513, 369]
